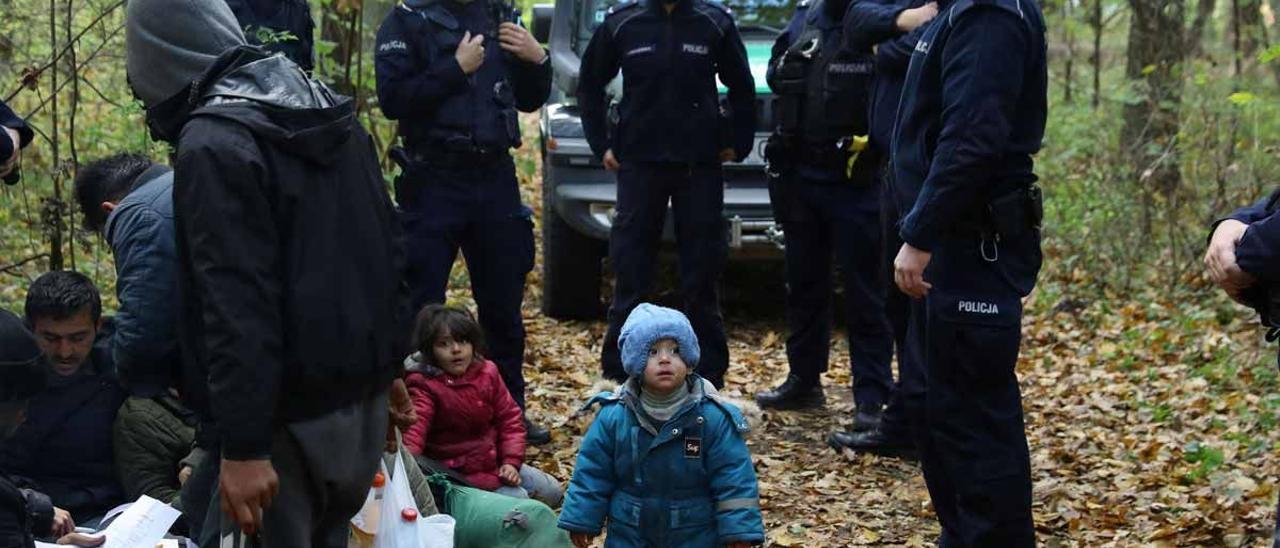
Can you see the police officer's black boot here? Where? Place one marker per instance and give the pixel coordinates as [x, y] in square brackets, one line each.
[876, 443]
[867, 418]
[794, 393]
[536, 435]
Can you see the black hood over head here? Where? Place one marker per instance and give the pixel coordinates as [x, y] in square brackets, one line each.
[278, 101]
[270, 95]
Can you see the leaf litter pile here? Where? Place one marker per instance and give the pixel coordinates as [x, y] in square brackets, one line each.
[1150, 422]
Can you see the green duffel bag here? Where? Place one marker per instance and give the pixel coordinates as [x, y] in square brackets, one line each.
[488, 520]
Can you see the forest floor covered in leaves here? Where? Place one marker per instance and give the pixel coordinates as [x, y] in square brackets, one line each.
[1150, 419]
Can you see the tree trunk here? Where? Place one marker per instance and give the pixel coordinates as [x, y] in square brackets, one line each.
[1069, 36]
[1195, 36]
[1274, 64]
[1096, 22]
[52, 210]
[338, 25]
[1252, 31]
[1154, 67]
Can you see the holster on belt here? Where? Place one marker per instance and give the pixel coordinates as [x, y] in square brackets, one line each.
[1008, 215]
[1017, 212]
[404, 185]
[780, 162]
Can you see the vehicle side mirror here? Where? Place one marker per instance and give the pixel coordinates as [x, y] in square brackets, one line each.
[541, 27]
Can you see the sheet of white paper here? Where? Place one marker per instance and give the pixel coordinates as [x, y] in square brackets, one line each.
[142, 525]
[45, 545]
[112, 513]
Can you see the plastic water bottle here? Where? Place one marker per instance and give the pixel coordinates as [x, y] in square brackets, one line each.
[364, 526]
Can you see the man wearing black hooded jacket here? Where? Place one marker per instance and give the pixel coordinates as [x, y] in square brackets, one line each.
[287, 271]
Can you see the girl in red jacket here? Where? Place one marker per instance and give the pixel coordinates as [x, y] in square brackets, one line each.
[466, 418]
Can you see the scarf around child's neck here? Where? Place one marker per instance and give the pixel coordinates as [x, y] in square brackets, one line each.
[662, 408]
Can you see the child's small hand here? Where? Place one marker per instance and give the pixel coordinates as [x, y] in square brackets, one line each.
[581, 540]
[509, 475]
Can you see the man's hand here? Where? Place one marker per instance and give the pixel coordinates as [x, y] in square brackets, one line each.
[184, 474]
[909, 20]
[509, 475]
[908, 271]
[517, 41]
[611, 161]
[1220, 259]
[581, 540]
[247, 488]
[81, 539]
[400, 411]
[12, 161]
[470, 52]
[62, 523]
[727, 155]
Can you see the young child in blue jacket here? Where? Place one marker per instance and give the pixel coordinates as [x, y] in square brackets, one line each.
[665, 459]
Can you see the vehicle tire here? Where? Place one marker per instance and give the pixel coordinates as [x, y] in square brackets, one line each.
[571, 266]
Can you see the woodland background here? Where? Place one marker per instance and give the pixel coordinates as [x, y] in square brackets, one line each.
[1152, 401]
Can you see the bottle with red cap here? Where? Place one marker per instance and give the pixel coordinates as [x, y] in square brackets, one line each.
[364, 526]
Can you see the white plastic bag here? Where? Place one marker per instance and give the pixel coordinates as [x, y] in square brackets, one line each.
[438, 531]
[399, 524]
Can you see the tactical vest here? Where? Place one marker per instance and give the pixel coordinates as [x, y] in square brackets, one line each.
[823, 94]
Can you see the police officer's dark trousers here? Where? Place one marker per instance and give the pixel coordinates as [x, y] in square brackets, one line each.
[474, 207]
[696, 194]
[1275, 534]
[902, 314]
[974, 447]
[820, 217]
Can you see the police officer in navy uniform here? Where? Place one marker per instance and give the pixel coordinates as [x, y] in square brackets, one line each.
[671, 136]
[279, 26]
[454, 73]
[824, 191]
[972, 116]
[894, 27]
[1243, 259]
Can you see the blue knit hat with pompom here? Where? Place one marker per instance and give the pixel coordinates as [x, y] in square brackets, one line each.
[649, 324]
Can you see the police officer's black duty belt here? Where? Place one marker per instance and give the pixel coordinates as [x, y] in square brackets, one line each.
[458, 158]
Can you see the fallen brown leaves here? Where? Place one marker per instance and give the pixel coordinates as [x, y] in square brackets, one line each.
[1148, 421]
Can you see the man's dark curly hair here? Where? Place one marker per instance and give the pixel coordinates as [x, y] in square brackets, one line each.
[62, 294]
[107, 180]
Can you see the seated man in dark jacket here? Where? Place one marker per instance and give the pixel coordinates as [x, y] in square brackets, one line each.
[64, 446]
[25, 513]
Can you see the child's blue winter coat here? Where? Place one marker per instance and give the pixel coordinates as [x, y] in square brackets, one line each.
[686, 483]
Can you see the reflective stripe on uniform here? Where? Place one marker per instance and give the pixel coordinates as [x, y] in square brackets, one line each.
[737, 504]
